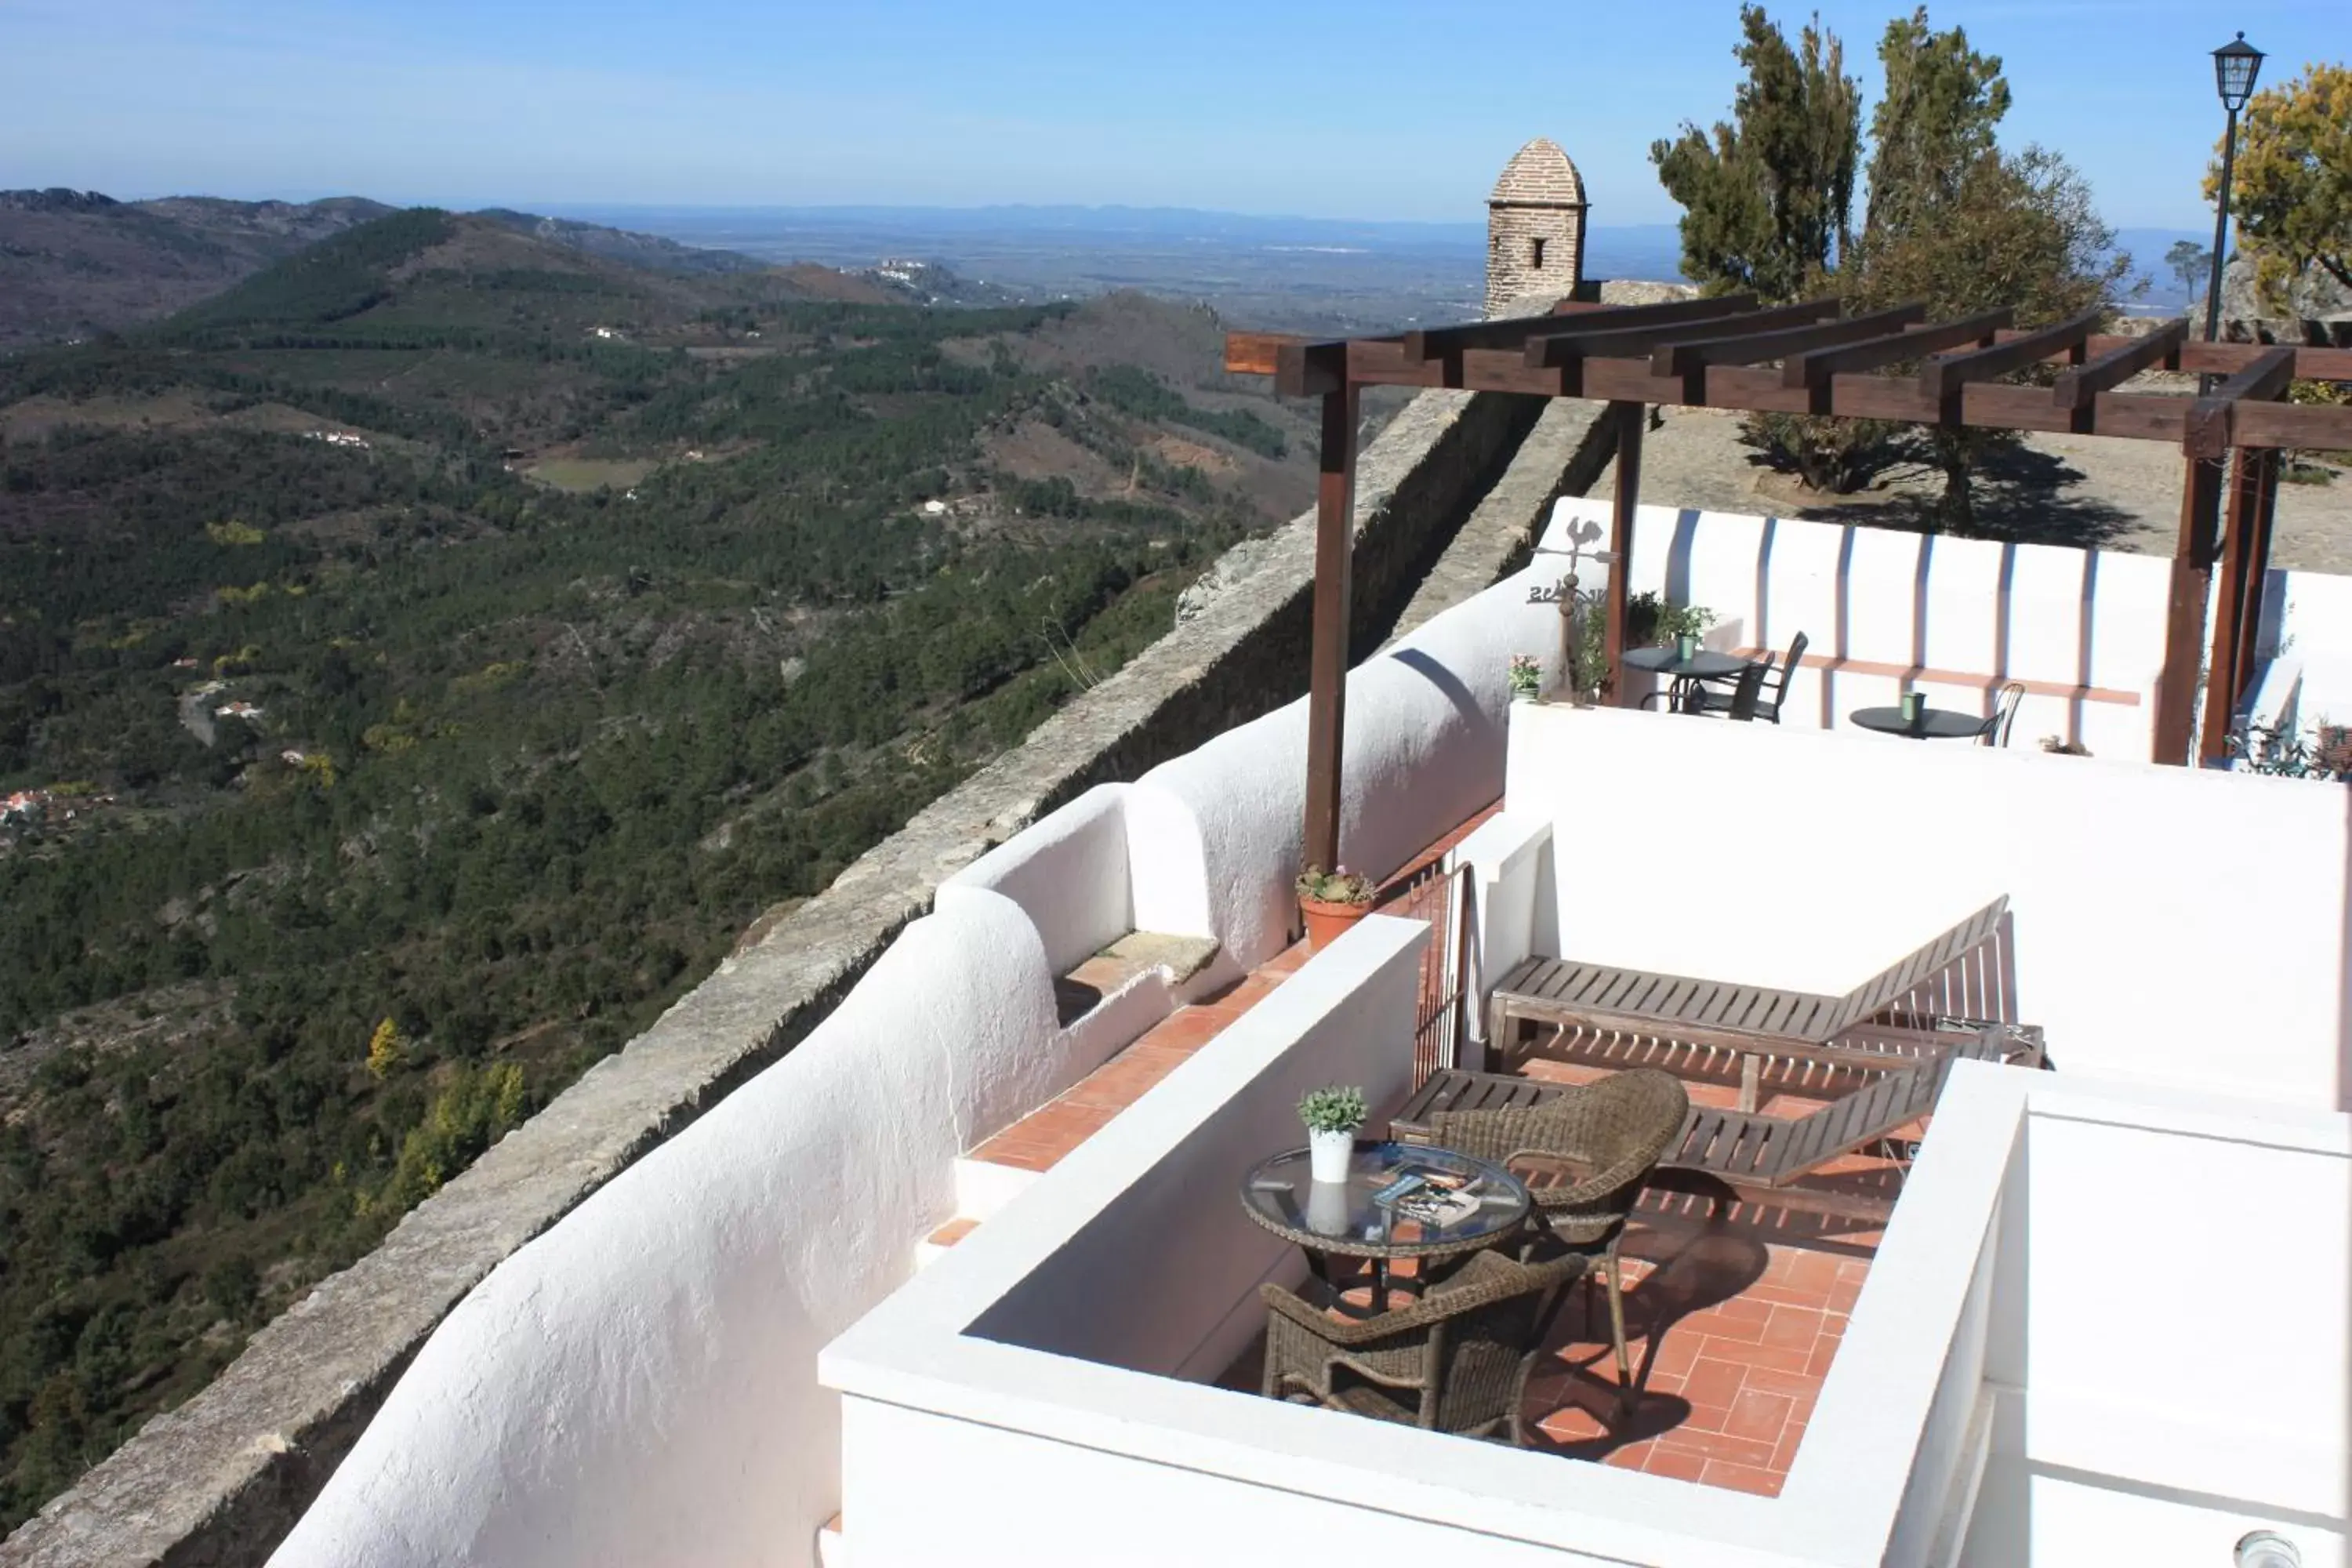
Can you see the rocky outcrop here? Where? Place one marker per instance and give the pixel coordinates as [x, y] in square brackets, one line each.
[2315, 309]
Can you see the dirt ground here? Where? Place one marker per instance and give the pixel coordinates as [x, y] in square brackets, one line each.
[2082, 490]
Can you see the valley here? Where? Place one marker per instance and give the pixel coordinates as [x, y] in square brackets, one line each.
[421, 657]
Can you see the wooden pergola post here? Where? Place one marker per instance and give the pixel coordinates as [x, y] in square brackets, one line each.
[1327, 697]
[1630, 418]
[2245, 563]
[2184, 629]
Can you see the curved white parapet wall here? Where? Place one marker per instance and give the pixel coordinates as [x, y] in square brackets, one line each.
[1425, 726]
[1068, 871]
[639, 1384]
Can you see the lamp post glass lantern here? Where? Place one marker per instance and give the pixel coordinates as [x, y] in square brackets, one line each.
[2235, 66]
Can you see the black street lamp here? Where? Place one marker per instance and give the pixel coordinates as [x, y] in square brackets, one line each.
[2235, 66]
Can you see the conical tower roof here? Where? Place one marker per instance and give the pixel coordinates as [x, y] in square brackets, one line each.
[1540, 175]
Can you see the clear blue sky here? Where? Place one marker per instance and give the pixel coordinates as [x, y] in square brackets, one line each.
[1370, 109]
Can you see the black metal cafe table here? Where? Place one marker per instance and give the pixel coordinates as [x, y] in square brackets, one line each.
[1932, 725]
[1703, 664]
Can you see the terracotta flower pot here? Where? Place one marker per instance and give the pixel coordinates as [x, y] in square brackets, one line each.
[1326, 922]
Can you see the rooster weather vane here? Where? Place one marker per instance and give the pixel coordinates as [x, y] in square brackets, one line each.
[1576, 604]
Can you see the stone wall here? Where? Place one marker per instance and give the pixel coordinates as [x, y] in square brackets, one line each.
[220, 1480]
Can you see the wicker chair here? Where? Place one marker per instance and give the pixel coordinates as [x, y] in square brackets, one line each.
[1456, 1361]
[1585, 1156]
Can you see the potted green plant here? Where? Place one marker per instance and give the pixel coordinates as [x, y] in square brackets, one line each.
[1650, 618]
[1331, 901]
[1332, 1116]
[1526, 678]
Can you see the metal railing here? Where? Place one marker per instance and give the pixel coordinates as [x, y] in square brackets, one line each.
[1439, 897]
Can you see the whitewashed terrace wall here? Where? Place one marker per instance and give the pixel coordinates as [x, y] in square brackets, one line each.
[643, 1377]
[2171, 925]
[1972, 606]
[2311, 629]
[2144, 1409]
[637, 1385]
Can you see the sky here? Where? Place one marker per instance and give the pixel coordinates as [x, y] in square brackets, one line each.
[1367, 110]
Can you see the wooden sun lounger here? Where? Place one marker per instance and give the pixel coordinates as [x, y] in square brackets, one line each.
[1761, 1157]
[1755, 1021]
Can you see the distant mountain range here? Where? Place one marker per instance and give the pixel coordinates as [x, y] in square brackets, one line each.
[74, 263]
[77, 263]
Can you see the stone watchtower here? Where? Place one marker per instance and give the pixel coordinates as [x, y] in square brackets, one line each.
[1535, 226]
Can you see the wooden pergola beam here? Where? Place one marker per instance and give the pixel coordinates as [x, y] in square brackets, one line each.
[1253, 353]
[2111, 367]
[1755, 348]
[1550, 349]
[1512, 331]
[2228, 359]
[2212, 427]
[1943, 375]
[1309, 370]
[1816, 369]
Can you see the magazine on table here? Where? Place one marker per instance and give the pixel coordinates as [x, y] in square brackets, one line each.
[1431, 1194]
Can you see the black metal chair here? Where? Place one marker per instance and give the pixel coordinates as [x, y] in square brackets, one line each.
[1747, 694]
[1772, 691]
[2004, 716]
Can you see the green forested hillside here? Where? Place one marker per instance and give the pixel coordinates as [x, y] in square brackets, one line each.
[420, 661]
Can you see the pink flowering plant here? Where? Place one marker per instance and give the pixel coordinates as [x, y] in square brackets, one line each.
[1527, 675]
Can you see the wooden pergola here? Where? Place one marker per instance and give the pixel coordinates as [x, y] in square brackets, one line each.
[1732, 352]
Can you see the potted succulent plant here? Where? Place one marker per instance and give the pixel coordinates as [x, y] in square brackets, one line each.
[1331, 901]
[1526, 678]
[1332, 1116]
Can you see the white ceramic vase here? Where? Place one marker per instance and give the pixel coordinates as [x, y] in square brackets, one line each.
[1327, 1207]
[1329, 1154]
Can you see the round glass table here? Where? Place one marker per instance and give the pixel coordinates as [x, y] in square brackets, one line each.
[1933, 723]
[1399, 1201]
[1703, 664]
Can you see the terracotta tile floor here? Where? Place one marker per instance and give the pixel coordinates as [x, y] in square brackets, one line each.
[1731, 1335]
[1040, 1139]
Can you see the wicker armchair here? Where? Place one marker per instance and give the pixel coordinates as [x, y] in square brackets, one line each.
[1456, 1361]
[1585, 1156]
